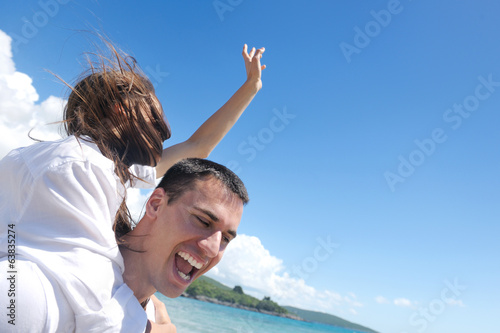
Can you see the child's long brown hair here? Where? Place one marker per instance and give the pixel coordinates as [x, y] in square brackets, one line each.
[114, 105]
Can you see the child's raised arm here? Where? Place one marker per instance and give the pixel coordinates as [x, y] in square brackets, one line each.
[211, 132]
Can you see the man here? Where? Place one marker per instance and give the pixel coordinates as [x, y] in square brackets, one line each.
[189, 220]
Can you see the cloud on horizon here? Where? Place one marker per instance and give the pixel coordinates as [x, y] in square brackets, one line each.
[403, 302]
[382, 300]
[406, 303]
[249, 264]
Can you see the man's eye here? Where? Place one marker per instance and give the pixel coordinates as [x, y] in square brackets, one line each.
[226, 239]
[205, 223]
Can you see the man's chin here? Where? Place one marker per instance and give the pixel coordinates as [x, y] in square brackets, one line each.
[173, 293]
[176, 288]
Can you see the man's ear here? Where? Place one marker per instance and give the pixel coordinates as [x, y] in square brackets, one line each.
[155, 201]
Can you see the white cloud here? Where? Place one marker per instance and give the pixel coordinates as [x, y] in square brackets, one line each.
[249, 264]
[136, 199]
[403, 302]
[382, 300]
[6, 62]
[19, 112]
[351, 299]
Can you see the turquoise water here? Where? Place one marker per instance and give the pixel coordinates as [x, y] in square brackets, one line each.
[190, 315]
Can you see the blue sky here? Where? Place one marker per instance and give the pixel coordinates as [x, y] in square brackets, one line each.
[376, 130]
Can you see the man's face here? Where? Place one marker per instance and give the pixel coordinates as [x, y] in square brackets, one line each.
[188, 237]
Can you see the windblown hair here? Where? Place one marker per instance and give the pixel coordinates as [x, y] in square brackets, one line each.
[182, 177]
[114, 105]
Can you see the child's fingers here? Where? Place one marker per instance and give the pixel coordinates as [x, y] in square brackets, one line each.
[254, 54]
[258, 54]
[245, 53]
[161, 314]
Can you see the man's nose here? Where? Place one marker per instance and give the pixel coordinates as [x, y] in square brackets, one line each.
[211, 244]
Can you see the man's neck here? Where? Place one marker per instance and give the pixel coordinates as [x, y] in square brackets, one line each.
[133, 277]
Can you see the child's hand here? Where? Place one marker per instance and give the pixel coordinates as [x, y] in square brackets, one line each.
[253, 66]
[162, 320]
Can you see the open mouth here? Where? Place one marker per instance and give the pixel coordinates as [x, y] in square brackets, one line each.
[187, 266]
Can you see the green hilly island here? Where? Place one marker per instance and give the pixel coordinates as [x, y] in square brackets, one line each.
[325, 318]
[210, 290]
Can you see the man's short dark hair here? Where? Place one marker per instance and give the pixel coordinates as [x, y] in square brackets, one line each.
[182, 177]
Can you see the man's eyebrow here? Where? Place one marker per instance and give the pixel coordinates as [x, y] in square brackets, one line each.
[208, 213]
[214, 218]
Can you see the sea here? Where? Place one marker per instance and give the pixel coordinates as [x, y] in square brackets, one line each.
[195, 316]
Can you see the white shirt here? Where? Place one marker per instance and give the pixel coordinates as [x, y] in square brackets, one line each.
[62, 198]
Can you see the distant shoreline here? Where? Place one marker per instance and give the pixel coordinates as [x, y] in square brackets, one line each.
[209, 290]
[238, 306]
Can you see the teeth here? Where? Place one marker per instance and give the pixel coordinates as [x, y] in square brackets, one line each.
[184, 276]
[186, 256]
